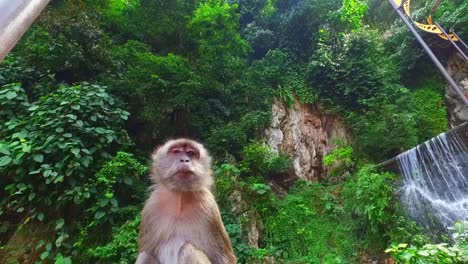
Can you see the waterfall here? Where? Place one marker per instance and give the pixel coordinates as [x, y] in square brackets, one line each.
[434, 185]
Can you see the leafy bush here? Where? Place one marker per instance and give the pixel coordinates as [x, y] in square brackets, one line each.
[308, 227]
[341, 159]
[355, 74]
[214, 27]
[353, 12]
[430, 113]
[385, 131]
[117, 184]
[51, 147]
[228, 181]
[69, 42]
[57, 138]
[440, 253]
[231, 138]
[122, 248]
[260, 160]
[435, 253]
[371, 194]
[118, 191]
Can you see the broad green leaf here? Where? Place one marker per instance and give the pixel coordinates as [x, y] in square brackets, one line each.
[4, 150]
[38, 158]
[59, 224]
[424, 253]
[44, 255]
[99, 214]
[10, 95]
[26, 148]
[31, 196]
[128, 180]
[75, 151]
[40, 217]
[34, 107]
[5, 161]
[103, 202]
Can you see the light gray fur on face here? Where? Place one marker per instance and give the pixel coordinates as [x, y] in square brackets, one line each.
[165, 167]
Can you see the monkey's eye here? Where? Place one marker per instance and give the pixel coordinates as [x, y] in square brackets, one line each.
[176, 151]
[191, 153]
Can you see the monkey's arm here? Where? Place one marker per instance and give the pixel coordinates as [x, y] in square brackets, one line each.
[225, 253]
[144, 243]
[144, 258]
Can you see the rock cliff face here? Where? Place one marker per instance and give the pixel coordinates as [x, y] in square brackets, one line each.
[307, 134]
[458, 112]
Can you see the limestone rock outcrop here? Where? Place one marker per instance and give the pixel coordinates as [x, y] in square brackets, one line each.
[307, 134]
[458, 112]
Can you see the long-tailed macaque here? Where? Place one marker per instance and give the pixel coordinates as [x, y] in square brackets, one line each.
[181, 222]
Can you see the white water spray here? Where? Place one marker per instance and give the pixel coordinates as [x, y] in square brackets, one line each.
[435, 181]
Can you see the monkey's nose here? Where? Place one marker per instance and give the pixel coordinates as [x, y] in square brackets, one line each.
[184, 160]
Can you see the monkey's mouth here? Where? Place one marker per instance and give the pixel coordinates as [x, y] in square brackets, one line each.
[184, 175]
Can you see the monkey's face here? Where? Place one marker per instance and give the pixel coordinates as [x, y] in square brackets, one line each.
[183, 166]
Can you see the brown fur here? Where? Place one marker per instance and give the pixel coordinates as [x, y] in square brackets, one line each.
[181, 219]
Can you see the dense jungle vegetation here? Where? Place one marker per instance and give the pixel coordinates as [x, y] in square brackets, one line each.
[95, 85]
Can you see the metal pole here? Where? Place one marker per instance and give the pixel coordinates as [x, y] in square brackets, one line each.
[451, 41]
[459, 39]
[15, 18]
[430, 53]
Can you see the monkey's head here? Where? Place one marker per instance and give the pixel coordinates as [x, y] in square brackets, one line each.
[182, 165]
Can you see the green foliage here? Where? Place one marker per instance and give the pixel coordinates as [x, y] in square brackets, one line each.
[341, 159]
[160, 88]
[434, 253]
[277, 74]
[353, 12]
[57, 139]
[260, 188]
[358, 70]
[407, 231]
[109, 225]
[370, 196]
[160, 23]
[387, 130]
[69, 42]
[430, 113]
[214, 27]
[50, 149]
[231, 138]
[14, 70]
[306, 227]
[228, 181]
[117, 184]
[118, 8]
[440, 253]
[122, 248]
[297, 24]
[211, 70]
[259, 159]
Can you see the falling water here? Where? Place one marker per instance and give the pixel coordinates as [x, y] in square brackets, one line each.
[435, 180]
